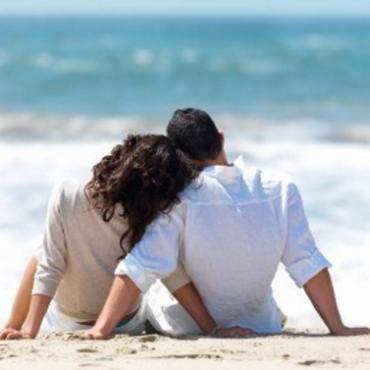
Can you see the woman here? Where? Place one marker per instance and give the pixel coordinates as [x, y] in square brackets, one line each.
[89, 227]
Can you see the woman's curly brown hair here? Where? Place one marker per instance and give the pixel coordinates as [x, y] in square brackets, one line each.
[144, 175]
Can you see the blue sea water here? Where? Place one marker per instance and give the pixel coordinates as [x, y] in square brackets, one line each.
[147, 66]
[290, 94]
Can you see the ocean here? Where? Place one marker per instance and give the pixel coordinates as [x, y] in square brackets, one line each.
[290, 94]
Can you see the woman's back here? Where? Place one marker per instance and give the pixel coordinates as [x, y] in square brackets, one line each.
[89, 226]
[80, 250]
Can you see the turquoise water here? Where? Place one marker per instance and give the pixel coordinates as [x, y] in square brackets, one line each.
[281, 68]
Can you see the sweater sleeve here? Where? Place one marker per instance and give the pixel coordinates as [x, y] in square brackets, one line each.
[52, 254]
[301, 257]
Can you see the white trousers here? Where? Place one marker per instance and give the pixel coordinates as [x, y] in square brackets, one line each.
[55, 321]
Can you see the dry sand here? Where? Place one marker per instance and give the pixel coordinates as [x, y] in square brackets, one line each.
[288, 351]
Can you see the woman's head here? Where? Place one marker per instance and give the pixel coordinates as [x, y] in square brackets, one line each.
[145, 175]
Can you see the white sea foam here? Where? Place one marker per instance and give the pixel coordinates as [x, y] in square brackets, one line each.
[189, 55]
[248, 66]
[320, 42]
[143, 56]
[64, 65]
[259, 66]
[55, 127]
[21, 126]
[4, 57]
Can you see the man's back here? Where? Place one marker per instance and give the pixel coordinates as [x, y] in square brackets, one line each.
[234, 240]
[231, 230]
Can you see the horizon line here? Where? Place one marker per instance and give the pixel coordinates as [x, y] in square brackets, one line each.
[184, 15]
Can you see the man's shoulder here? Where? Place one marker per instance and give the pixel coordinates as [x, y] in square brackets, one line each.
[267, 180]
[203, 190]
[275, 180]
[256, 185]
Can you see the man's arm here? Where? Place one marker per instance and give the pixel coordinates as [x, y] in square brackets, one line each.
[154, 257]
[308, 267]
[122, 297]
[321, 293]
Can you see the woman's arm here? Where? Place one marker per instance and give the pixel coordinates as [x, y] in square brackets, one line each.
[28, 310]
[50, 268]
[38, 307]
[22, 300]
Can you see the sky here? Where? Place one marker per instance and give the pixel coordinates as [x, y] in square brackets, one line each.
[212, 7]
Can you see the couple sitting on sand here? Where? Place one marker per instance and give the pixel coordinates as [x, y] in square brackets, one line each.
[172, 209]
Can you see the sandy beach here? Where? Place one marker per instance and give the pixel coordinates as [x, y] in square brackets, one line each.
[288, 351]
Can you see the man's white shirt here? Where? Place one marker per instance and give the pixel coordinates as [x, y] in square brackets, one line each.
[232, 228]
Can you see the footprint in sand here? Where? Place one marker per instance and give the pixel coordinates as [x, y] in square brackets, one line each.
[126, 351]
[88, 365]
[191, 356]
[319, 362]
[31, 350]
[311, 362]
[145, 347]
[87, 350]
[148, 338]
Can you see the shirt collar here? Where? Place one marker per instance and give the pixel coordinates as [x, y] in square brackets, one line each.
[226, 174]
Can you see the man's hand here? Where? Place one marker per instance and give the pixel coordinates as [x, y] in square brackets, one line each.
[321, 293]
[345, 331]
[235, 332]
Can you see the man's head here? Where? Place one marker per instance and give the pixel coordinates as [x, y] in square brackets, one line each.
[196, 134]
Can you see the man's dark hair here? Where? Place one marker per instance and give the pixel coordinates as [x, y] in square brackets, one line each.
[195, 133]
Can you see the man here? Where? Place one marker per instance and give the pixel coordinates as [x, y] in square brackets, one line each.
[233, 227]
